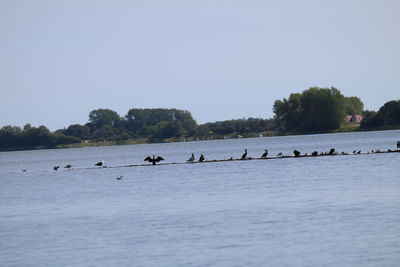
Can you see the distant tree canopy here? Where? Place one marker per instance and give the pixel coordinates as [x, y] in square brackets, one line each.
[315, 109]
[387, 115]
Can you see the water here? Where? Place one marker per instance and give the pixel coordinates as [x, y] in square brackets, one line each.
[324, 211]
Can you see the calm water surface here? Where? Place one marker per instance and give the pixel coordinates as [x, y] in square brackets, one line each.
[324, 211]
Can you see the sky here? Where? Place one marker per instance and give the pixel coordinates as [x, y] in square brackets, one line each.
[218, 59]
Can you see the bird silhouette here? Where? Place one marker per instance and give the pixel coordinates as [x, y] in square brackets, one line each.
[56, 168]
[100, 163]
[279, 154]
[69, 166]
[265, 154]
[315, 153]
[296, 153]
[24, 170]
[153, 160]
[120, 177]
[191, 159]
[332, 151]
[398, 144]
[202, 158]
[244, 154]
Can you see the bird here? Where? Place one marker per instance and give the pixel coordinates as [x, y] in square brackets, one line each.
[265, 154]
[296, 153]
[359, 152]
[191, 159]
[202, 158]
[315, 153]
[398, 144]
[153, 160]
[332, 151]
[279, 154]
[244, 154]
[56, 168]
[24, 170]
[120, 177]
[354, 151]
[100, 163]
[69, 166]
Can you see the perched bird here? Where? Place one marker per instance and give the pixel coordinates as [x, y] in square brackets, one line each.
[398, 144]
[100, 163]
[69, 166]
[354, 151]
[332, 151]
[315, 153]
[120, 177]
[191, 159]
[56, 168]
[153, 160]
[279, 154]
[296, 153]
[265, 154]
[244, 154]
[359, 152]
[202, 158]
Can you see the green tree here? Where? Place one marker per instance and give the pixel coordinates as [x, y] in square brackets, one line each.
[78, 130]
[353, 105]
[102, 117]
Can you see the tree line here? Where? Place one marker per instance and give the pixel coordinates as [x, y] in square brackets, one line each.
[311, 111]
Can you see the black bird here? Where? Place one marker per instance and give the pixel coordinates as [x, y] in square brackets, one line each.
[332, 151]
[100, 163]
[153, 160]
[296, 153]
[354, 151]
[265, 154]
[359, 152]
[244, 154]
[191, 159]
[69, 166]
[315, 153]
[120, 177]
[56, 168]
[398, 144]
[279, 154]
[202, 158]
[24, 170]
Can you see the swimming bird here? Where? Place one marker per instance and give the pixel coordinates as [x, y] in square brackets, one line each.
[191, 159]
[120, 177]
[153, 160]
[265, 154]
[279, 154]
[202, 158]
[69, 166]
[56, 168]
[24, 170]
[100, 163]
[244, 154]
[296, 153]
[332, 151]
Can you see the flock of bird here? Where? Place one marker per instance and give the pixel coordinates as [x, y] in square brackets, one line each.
[154, 160]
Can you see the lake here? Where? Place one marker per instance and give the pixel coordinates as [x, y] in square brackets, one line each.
[317, 211]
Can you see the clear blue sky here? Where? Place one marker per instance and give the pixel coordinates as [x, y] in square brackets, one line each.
[218, 59]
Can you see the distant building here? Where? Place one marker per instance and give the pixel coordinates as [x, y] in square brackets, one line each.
[353, 118]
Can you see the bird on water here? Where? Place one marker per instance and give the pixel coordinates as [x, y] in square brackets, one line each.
[69, 166]
[100, 163]
[56, 168]
[265, 154]
[191, 159]
[280, 154]
[120, 177]
[244, 154]
[153, 160]
[202, 158]
[296, 153]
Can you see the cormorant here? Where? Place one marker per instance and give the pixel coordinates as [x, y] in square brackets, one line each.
[119, 177]
[100, 163]
[69, 166]
[191, 159]
[56, 168]
[315, 153]
[265, 154]
[398, 144]
[296, 153]
[244, 154]
[202, 158]
[332, 151]
[153, 160]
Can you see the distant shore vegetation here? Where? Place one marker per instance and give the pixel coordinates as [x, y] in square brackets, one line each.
[315, 110]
